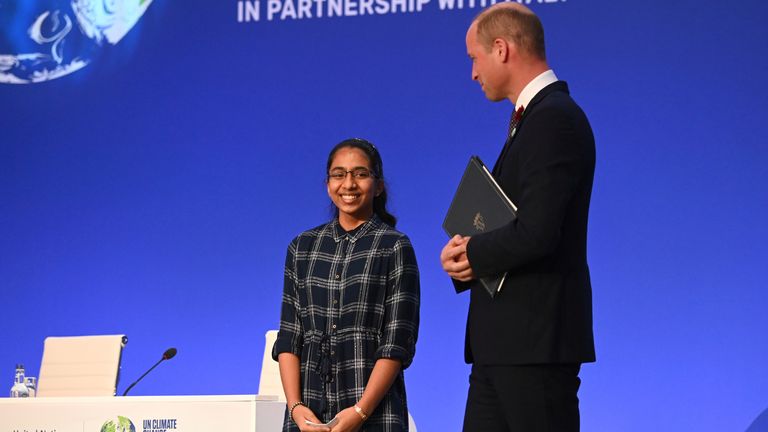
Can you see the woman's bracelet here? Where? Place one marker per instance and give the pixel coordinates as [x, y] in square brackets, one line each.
[361, 413]
[290, 411]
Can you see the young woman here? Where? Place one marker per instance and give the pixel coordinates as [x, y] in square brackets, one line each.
[350, 310]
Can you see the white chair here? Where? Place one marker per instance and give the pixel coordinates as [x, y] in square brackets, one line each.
[411, 423]
[80, 365]
[269, 382]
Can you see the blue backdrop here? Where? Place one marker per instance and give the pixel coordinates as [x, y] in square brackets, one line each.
[153, 192]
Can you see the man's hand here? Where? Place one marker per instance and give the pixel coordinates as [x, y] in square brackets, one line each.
[454, 259]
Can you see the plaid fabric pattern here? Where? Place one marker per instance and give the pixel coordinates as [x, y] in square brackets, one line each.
[348, 300]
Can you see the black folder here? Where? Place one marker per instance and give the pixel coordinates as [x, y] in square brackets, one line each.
[478, 206]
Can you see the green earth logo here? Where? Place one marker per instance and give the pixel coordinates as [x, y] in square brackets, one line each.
[120, 424]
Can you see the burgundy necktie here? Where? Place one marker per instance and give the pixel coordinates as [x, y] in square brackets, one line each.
[514, 121]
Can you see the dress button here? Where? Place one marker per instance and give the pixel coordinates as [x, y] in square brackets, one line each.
[335, 301]
[337, 276]
[333, 326]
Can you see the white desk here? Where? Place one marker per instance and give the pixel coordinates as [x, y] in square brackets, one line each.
[236, 413]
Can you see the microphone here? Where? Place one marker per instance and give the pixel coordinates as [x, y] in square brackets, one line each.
[167, 355]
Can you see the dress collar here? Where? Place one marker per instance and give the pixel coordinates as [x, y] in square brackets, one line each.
[340, 234]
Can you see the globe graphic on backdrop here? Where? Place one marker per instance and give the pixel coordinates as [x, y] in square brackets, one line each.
[120, 424]
[41, 40]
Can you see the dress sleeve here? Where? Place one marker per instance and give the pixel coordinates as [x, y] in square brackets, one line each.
[290, 335]
[401, 307]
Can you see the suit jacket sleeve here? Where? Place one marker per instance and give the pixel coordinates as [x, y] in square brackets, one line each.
[550, 161]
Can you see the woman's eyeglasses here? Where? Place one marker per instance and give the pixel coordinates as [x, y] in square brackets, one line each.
[357, 174]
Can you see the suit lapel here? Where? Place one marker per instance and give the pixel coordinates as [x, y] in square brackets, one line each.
[555, 86]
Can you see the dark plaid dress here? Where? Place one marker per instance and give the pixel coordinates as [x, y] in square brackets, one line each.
[348, 300]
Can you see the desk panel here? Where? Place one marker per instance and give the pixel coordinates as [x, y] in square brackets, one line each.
[235, 413]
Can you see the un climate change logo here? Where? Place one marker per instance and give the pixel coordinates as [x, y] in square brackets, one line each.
[41, 40]
[120, 424]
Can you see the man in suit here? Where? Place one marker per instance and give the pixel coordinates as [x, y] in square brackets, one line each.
[526, 345]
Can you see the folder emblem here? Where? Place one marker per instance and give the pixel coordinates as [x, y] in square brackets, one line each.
[479, 222]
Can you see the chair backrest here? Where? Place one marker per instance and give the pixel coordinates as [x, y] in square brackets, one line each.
[269, 381]
[80, 365]
[411, 423]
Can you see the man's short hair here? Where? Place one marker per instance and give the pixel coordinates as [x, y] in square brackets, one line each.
[522, 28]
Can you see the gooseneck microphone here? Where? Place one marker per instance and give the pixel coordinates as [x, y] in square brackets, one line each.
[167, 355]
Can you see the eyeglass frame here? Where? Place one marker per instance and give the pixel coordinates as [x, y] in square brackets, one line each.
[372, 174]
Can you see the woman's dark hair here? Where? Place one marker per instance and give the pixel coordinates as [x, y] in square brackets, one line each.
[374, 158]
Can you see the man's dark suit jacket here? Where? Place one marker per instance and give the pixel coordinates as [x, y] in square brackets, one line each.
[543, 314]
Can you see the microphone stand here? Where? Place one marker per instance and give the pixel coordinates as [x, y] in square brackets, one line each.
[166, 356]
